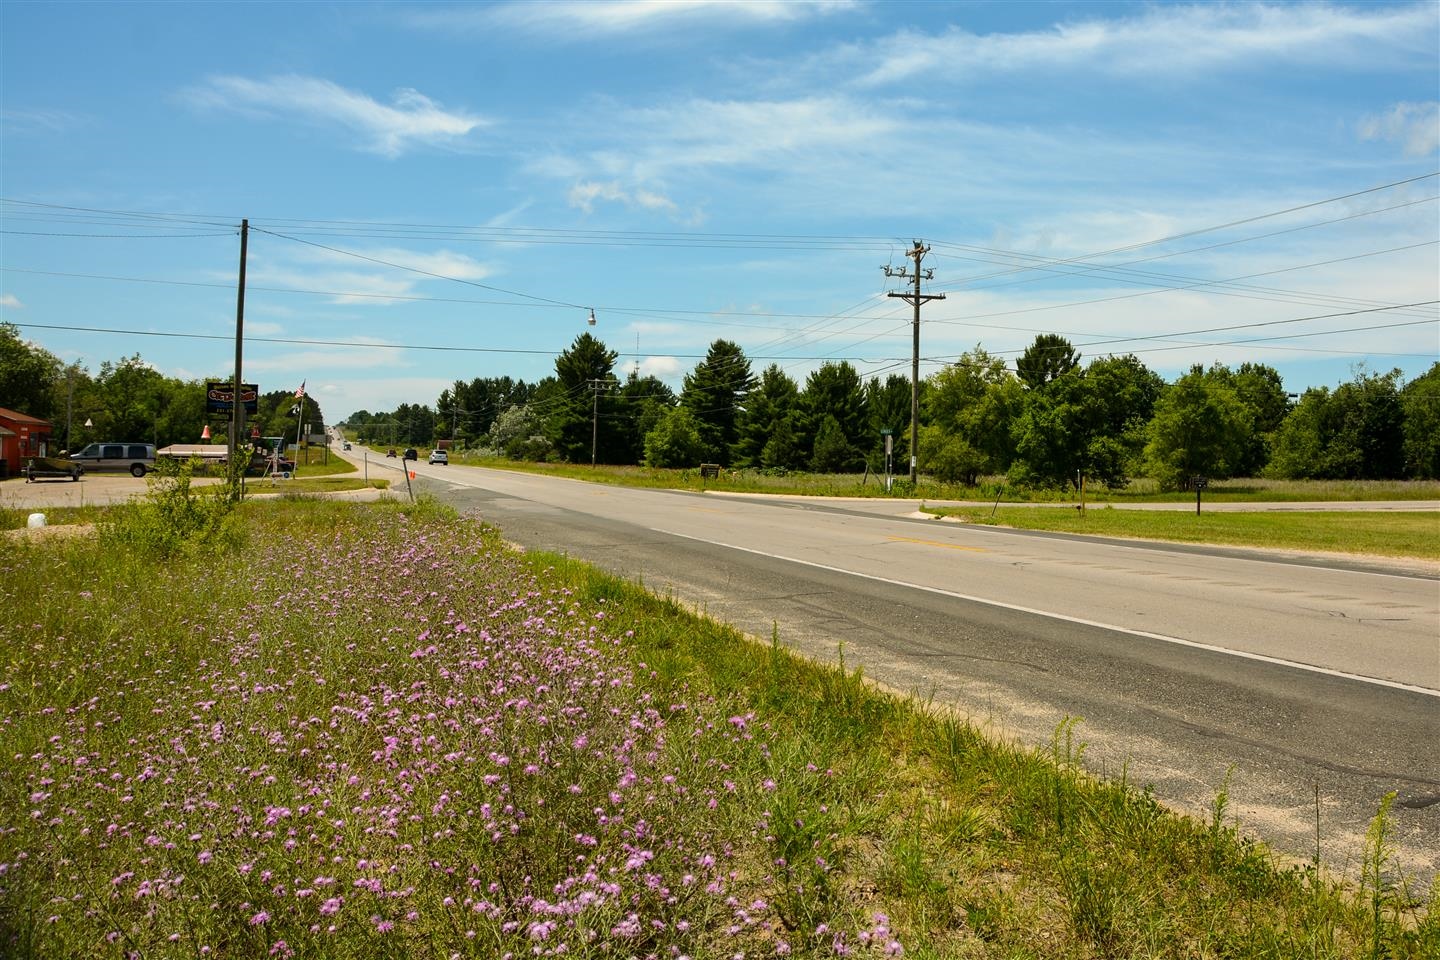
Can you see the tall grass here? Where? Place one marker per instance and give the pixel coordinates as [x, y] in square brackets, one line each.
[372, 731]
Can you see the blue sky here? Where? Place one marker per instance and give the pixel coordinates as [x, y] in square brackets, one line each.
[478, 177]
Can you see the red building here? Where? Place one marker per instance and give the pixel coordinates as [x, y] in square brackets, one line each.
[21, 436]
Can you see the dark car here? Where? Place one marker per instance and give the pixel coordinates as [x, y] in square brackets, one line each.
[411, 454]
[390, 452]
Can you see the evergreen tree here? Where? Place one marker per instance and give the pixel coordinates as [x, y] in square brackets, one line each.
[569, 425]
[643, 403]
[833, 453]
[713, 393]
[888, 403]
[769, 406]
[835, 390]
[1047, 359]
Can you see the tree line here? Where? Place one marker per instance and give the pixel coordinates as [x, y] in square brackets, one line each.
[1052, 421]
[127, 400]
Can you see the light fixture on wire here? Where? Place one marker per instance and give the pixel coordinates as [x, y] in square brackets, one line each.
[591, 321]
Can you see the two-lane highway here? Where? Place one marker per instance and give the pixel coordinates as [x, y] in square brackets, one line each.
[1183, 662]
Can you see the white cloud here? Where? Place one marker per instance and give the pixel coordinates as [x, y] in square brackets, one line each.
[1415, 125]
[387, 129]
[1163, 41]
[662, 368]
[10, 301]
[581, 20]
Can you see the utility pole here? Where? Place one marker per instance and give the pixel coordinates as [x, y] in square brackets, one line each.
[237, 408]
[916, 253]
[596, 385]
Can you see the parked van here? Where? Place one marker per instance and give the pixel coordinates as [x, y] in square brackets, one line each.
[137, 458]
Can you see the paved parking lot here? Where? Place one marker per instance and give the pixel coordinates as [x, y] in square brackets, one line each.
[90, 490]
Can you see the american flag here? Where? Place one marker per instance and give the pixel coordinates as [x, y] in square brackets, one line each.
[301, 392]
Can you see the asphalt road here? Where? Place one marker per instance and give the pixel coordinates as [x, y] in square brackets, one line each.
[1290, 674]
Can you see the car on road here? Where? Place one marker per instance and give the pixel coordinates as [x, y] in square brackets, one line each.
[411, 454]
[345, 445]
[439, 456]
[135, 458]
[390, 452]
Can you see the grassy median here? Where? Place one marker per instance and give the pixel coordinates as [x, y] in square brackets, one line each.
[1387, 533]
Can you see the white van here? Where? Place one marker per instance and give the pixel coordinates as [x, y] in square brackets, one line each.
[137, 458]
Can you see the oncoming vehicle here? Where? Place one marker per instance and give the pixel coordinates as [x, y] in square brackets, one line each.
[135, 458]
[439, 456]
[411, 454]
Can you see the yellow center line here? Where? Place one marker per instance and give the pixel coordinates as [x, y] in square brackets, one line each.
[936, 543]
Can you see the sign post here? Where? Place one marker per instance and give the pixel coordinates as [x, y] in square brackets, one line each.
[1199, 483]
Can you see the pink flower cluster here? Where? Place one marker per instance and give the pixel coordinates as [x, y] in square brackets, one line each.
[428, 743]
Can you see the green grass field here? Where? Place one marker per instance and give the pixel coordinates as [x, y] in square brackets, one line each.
[1381, 533]
[381, 733]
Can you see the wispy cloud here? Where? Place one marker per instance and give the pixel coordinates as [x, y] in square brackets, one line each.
[698, 135]
[1162, 41]
[577, 20]
[352, 280]
[410, 119]
[361, 353]
[48, 121]
[584, 196]
[1415, 125]
[11, 302]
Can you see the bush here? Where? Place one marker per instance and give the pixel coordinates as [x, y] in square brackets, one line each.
[173, 516]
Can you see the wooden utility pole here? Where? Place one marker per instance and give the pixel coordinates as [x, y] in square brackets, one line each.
[237, 408]
[596, 385]
[916, 253]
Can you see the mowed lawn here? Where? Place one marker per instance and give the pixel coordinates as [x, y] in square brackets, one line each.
[1414, 534]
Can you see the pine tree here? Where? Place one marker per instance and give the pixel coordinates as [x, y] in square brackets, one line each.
[769, 406]
[713, 393]
[568, 423]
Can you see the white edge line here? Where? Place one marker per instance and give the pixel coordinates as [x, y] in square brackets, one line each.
[1164, 638]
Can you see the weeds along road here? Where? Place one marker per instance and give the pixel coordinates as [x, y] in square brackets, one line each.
[1186, 664]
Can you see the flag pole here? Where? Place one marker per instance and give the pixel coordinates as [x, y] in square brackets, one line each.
[299, 419]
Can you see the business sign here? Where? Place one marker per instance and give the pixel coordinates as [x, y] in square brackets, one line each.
[220, 397]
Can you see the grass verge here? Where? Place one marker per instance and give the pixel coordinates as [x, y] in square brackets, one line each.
[1381, 533]
[375, 732]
